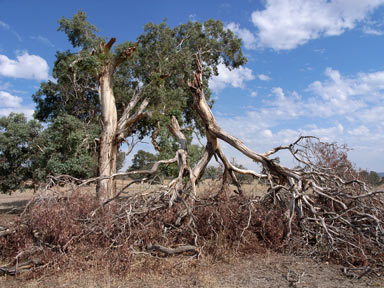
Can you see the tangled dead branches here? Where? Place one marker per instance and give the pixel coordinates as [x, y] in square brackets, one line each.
[57, 229]
[62, 230]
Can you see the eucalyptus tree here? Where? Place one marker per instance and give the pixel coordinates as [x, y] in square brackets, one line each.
[18, 149]
[67, 146]
[137, 87]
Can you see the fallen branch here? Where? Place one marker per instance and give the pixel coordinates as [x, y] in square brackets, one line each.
[172, 251]
[20, 267]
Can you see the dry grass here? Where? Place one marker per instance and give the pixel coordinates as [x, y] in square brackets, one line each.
[265, 270]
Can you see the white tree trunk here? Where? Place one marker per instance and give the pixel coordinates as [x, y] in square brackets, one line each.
[108, 144]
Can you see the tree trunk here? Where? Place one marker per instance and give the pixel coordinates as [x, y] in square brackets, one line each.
[108, 144]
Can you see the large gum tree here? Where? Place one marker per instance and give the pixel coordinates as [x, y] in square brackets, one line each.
[136, 87]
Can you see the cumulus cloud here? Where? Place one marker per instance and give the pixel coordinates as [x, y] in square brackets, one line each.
[11, 103]
[286, 24]
[8, 100]
[343, 109]
[361, 130]
[357, 98]
[372, 31]
[227, 77]
[247, 36]
[371, 115]
[25, 66]
[340, 95]
[27, 111]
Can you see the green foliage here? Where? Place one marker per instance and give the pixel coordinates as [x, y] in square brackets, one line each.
[211, 172]
[69, 147]
[371, 177]
[171, 51]
[80, 32]
[72, 93]
[142, 160]
[18, 139]
[120, 160]
[163, 63]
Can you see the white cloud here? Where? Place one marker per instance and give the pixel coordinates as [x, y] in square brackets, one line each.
[226, 77]
[372, 31]
[8, 100]
[341, 95]
[28, 112]
[342, 109]
[361, 130]
[283, 107]
[371, 115]
[11, 103]
[25, 66]
[247, 36]
[253, 94]
[263, 77]
[286, 24]
[267, 133]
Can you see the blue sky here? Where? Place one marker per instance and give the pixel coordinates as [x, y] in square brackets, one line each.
[315, 67]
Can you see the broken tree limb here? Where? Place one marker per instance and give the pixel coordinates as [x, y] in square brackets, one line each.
[20, 267]
[321, 199]
[172, 251]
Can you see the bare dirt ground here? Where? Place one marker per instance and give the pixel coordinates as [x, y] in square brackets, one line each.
[266, 270]
[261, 270]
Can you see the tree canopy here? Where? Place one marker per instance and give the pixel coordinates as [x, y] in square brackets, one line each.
[18, 149]
[161, 65]
[69, 146]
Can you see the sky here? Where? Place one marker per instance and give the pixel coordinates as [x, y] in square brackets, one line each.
[315, 67]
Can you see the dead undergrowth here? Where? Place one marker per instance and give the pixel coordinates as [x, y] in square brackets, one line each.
[138, 232]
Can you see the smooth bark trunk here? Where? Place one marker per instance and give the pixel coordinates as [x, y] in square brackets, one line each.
[108, 144]
[114, 131]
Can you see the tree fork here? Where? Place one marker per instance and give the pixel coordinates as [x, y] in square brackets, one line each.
[113, 130]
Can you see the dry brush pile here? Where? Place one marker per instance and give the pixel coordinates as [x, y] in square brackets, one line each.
[57, 231]
[73, 230]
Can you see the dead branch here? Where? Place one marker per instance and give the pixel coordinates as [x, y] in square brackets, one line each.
[172, 251]
[20, 267]
[4, 231]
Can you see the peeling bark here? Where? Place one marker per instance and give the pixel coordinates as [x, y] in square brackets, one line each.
[114, 130]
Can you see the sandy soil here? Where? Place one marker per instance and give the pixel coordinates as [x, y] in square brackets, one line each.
[266, 270]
